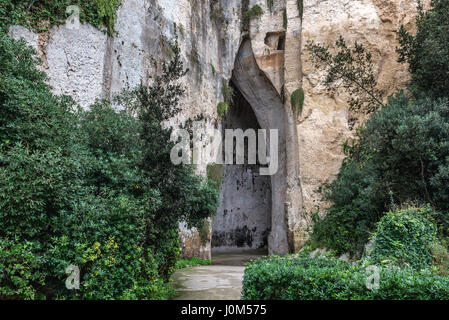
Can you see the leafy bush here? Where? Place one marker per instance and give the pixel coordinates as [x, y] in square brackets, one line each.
[343, 229]
[427, 52]
[297, 100]
[109, 270]
[41, 160]
[304, 278]
[41, 15]
[95, 188]
[19, 270]
[440, 255]
[222, 109]
[404, 238]
[400, 155]
[255, 12]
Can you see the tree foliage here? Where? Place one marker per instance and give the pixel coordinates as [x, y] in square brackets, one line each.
[400, 154]
[350, 70]
[94, 188]
[427, 52]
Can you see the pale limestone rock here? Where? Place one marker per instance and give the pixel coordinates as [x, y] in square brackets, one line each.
[323, 125]
[87, 64]
[76, 60]
[19, 32]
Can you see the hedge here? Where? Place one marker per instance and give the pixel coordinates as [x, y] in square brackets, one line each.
[304, 278]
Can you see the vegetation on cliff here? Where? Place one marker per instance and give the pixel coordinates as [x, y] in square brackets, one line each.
[400, 154]
[95, 189]
[40, 15]
[255, 12]
[351, 70]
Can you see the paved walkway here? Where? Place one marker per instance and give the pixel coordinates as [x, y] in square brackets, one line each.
[220, 281]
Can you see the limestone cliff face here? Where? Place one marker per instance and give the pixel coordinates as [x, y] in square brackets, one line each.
[323, 125]
[269, 63]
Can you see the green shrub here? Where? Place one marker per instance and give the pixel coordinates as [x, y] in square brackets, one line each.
[403, 238]
[106, 10]
[19, 270]
[303, 278]
[42, 161]
[440, 255]
[427, 52]
[400, 156]
[343, 229]
[297, 100]
[222, 109]
[95, 189]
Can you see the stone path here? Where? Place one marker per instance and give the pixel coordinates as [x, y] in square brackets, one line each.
[220, 281]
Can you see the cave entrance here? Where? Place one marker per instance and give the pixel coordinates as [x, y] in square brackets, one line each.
[252, 212]
[243, 219]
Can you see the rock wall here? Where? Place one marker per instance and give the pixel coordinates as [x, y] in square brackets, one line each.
[323, 124]
[87, 64]
[243, 219]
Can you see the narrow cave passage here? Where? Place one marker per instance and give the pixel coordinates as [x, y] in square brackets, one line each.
[260, 201]
[243, 219]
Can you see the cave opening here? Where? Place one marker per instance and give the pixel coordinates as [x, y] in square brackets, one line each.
[243, 219]
[259, 204]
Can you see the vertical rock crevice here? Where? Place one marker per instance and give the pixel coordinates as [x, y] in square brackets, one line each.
[267, 105]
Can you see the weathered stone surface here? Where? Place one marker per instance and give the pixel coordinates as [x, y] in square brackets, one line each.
[19, 32]
[87, 64]
[323, 125]
[130, 51]
[269, 110]
[75, 60]
[267, 35]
